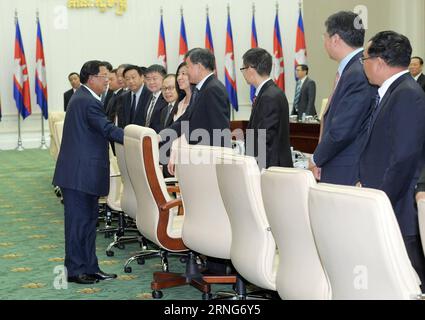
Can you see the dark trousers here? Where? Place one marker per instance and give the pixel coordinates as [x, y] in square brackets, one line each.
[416, 255]
[81, 215]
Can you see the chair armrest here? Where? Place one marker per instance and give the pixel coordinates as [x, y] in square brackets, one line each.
[171, 204]
[169, 181]
[115, 175]
[173, 189]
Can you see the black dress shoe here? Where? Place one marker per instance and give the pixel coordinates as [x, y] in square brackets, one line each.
[83, 279]
[103, 276]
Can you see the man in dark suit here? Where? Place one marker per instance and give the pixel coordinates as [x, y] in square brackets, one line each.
[135, 100]
[209, 108]
[106, 96]
[336, 158]
[171, 96]
[394, 153]
[82, 173]
[74, 80]
[154, 77]
[270, 113]
[114, 103]
[415, 68]
[305, 93]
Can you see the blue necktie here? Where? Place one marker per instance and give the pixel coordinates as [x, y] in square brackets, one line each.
[374, 114]
[297, 95]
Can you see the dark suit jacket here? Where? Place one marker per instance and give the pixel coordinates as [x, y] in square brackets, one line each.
[307, 99]
[210, 111]
[160, 104]
[108, 98]
[394, 153]
[338, 152]
[421, 81]
[270, 112]
[113, 104]
[66, 97]
[83, 161]
[125, 111]
[170, 118]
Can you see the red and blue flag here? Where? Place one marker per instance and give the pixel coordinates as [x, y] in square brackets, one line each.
[21, 84]
[300, 47]
[278, 61]
[40, 75]
[162, 49]
[183, 47]
[229, 67]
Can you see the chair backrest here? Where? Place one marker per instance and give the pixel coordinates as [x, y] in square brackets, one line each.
[323, 107]
[54, 117]
[115, 185]
[58, 133]
[421, 216]
[128, 198]
[142, 159]
[253, 251]
[206, 227]
[360, 244]
[285, 195]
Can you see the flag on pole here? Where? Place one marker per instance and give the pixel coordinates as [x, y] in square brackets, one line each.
[229, 67]
[21, 84]
[40, 74]
[208, 36]
[254, 44]
[162, 49]
[300, 47]
[183, 47]
[278, 62]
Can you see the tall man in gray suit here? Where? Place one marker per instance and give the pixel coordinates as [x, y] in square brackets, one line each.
[305, 93]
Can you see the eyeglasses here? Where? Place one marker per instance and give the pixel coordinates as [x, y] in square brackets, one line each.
[362, 59]
[165, 89]
[244, 68]
[100, 76]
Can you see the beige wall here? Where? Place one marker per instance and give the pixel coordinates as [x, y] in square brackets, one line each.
[404, 16]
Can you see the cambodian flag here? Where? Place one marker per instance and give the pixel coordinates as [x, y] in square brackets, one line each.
[40, 74]
[183, 47]
[208, 37]
[278, 63]
[21, 84]
[162, 50]
[229, 67]
[254, 44]
[300, 47]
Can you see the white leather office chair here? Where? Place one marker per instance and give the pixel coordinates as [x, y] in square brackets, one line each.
[158, 216]
[253, 252]
[300, 275]
[206, 227]
[53, 118]
[360, 244]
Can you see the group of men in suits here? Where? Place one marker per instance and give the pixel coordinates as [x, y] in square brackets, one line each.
[372, 132]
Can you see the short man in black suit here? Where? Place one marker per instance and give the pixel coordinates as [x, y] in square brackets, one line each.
[394, 153]
[415, 68]
[106, 96]
[305, 93]
[135, 99]
[270, 112]
[82, 173]
[209, 108]
[74, 80]
[114, 103]
[154, 77]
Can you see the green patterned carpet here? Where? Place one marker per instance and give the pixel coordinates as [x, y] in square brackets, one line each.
[32, 242]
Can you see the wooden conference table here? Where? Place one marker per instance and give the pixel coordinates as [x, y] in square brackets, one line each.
[303, 136]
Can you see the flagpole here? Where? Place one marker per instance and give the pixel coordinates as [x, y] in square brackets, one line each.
[19, 147]
[43, 138]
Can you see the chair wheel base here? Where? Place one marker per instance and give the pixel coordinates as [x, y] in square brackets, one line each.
[128, 270]
[206, 296]
[157, 294]
[110, 253]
